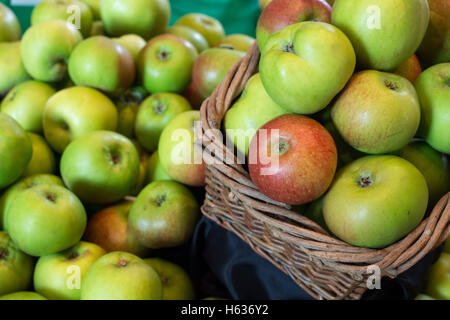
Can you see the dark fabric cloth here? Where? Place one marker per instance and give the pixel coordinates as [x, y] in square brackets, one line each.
[224, 265]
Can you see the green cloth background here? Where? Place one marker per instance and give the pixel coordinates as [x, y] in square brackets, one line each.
[237, 16]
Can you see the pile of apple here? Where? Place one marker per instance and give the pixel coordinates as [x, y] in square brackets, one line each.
[90, 102]
[342, 88]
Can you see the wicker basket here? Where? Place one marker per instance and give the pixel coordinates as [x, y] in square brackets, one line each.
[325, 267]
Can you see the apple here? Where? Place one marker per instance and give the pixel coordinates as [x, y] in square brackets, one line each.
[133, 43]
[45, 219]
[331, 2]
[432, 164]
[263, 3]
[433, 89]
[316, 51]
[94, 5]
[176, 283]
[292, 159]
[101, 63]
[179, 158]
[209, 27]
[146, 18]
[164, 215]
[155, 170]
[26, 102]
[23, 295]
[251, 111]
[239, 42]
[16, 267]
[128, 106]
[69, 114]
[121, 276]
[282, 13]
[165, 64]
[410, 69]
[101, 167]
[110, 230]
[383, 33]
[9, 25]
[315, 212]
[72, 11]
[15, 150]
[375, 201]
[42, 159]
[435, 47]
[26, 183]
[423, 297]
[438, 284]
[12, 70]
[154, 115]
[377, 113]
[194, 37]
[211, 67]
[46, 48]
[60, 276]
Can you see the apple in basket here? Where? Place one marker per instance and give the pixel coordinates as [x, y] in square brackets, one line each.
[292, 159]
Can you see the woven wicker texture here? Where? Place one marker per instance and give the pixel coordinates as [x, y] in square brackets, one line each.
[320, 264]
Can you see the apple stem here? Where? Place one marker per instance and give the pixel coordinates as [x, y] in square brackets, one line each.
[163, 55]
[123, 263]
[289, 48]
[391, 85]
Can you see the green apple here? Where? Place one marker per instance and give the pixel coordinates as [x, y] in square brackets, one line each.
[179, 158]
[375, 201]
[72, 11]
[316, 51]
[101, 63]
[121, 276]
[435, 47]
[433, 89]
[250, 112]
[438, 284]
[154, 115]
[315, 212]
[433, 165]
[423, 297]
[23, 295]
[176, 283]
[46, 48]
[16, 267]
[143, 164]
[15, 150]
[282, 13]
[45, 219]
[155, 170]
[133, 43]
[60, 276]
[9, 25]
[42, 160]
[189, 34]
[97, 29]
[12, 70]
[94, 5]
[209, 27]
[26, 183]
[165, 64]
[377, 113]
[164, 215]
[128, 105]
[101, 167]
[109, 228]
[383, 33]
[239, 42]
[210, 69]
[26, 102]
[146, 18]
[69, 114]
